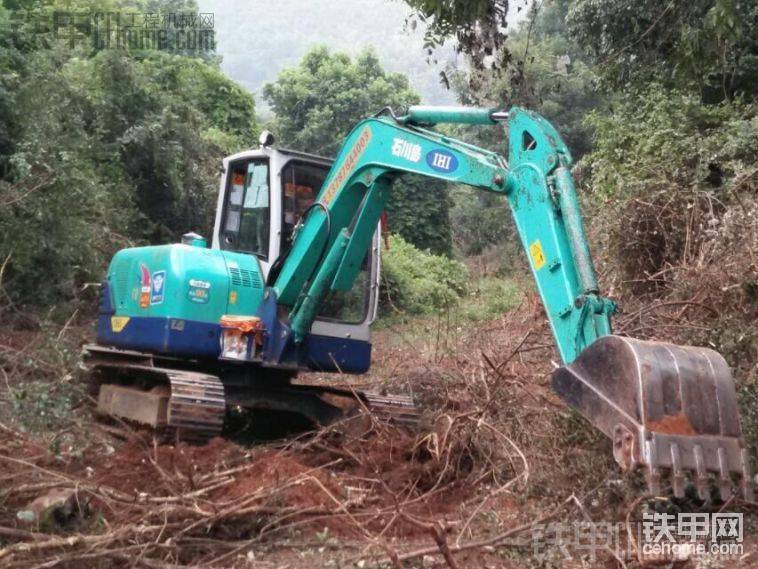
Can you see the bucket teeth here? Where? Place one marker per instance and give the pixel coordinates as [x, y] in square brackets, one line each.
[698, 475]
[701, 475]
[677, 475]
[698, 471]
[397, 409]
[654, 481]
[725, 481]
[747, 481]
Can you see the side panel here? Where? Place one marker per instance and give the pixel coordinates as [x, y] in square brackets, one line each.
[346, 355]
[176, 281]
[169, 299]
[179, 337]
[173, 336]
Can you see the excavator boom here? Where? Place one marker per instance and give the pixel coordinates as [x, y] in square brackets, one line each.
[332, 240]
[664, 407]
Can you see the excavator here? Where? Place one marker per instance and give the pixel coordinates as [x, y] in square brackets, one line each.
[187, 333]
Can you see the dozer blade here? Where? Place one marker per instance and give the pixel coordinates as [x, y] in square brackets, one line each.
[189, 404]
[665, 407]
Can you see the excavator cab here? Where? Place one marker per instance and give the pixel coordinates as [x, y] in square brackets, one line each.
[263, 195]
[166, 310]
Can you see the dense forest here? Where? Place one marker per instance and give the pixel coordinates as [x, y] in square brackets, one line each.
[100, 150]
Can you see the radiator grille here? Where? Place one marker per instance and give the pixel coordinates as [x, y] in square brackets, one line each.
[245, 278]
[121, 281]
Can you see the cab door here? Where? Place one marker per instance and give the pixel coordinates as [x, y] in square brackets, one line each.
[248, 198]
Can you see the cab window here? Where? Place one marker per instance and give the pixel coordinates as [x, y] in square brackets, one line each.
[246, 213]
[350, 307]
[301, 183]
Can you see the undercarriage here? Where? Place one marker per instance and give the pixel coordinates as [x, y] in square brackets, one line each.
[191, 400]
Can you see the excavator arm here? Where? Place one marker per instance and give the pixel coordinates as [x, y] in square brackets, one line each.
[333, 239]
[663, 406]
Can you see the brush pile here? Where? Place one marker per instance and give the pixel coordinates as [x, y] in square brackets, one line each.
[109, 495]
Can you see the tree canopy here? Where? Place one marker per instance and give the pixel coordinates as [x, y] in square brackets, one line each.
[710, 46]
[103, 149]
[318, 102]
[478, 26]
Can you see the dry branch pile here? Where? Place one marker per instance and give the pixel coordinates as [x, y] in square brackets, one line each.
[494, 457]
[691, 261]
[212, 505]
[379, 494]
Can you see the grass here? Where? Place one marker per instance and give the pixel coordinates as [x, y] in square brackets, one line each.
[486, 298]
[489, 298]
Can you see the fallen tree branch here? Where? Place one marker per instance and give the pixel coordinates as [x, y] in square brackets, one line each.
[490, 541]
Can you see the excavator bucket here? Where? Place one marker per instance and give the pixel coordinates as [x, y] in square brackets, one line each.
[665, 407]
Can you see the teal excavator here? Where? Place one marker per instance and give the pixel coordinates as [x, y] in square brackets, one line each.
[187, 333]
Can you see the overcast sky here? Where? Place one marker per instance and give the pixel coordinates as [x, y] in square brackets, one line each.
[258, 38]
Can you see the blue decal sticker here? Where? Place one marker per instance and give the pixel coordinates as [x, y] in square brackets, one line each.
[199, 291]
[442, 160]
[158, 287]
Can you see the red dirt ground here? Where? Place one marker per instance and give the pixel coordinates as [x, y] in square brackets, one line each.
[341, 497]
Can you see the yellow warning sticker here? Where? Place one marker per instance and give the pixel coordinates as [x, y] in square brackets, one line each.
[538, 255]
[118, 323]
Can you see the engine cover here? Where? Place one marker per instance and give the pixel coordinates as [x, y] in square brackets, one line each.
[169, 298]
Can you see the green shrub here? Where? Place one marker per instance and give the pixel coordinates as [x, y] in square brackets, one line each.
[489, 298]
[662, 136]
[420, 282]
[675, 177]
